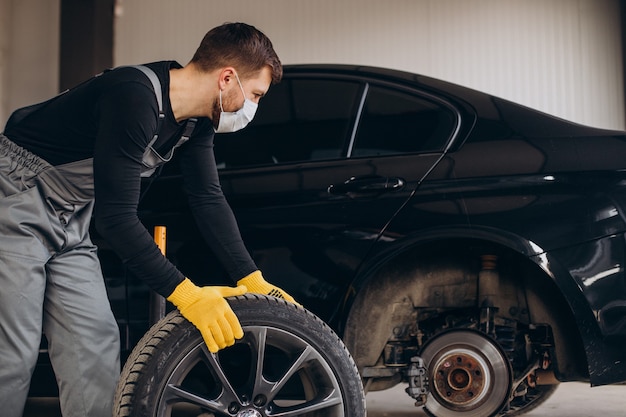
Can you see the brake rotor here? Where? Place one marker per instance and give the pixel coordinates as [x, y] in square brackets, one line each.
[469, 375]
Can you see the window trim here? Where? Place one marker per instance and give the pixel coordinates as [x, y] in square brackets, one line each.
[416, 93]
[357, 120]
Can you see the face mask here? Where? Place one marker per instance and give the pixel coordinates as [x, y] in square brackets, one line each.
[234, 121]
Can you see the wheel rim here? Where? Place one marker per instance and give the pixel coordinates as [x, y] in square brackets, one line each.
[468, 373]
[268, 372]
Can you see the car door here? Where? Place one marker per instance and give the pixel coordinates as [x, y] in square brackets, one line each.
[323, 168]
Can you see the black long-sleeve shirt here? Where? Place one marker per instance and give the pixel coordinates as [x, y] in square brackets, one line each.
[112, 118]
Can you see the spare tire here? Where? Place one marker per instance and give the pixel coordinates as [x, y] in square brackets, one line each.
[288, 363]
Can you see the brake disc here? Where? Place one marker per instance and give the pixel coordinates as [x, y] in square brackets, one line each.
[469, 375]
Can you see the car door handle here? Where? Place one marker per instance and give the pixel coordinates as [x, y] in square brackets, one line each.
[367, 186]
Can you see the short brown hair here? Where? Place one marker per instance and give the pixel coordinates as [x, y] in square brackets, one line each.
[238, 45]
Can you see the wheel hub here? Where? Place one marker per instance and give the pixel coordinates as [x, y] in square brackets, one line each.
[470, 375]
[249, 413]
[459, 378]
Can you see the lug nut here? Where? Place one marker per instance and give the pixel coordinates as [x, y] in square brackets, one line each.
[260, 400]
[233, 408]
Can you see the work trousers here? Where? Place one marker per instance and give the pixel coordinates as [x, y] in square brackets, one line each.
[51, 281]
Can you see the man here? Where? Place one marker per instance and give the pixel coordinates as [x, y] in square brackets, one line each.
[87, 149]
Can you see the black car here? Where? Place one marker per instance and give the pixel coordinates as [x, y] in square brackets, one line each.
[468, 246]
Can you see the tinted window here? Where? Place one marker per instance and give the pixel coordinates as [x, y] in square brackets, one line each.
[394, 122]
[298, 120]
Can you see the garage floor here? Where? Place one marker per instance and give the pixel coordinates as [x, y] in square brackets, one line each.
[571, 400]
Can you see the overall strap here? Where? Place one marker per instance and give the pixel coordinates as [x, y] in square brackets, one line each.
[151, 158]
[156, 84]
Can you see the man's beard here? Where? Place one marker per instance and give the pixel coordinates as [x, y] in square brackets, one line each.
[215, 113]
[216, 110]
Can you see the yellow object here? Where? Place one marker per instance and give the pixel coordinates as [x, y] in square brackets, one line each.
[206, 308]
[160, 237]
[257, 284]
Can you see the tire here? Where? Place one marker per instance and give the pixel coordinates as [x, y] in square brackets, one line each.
[305, 369]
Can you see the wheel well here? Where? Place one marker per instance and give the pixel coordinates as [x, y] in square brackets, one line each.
[443, 276]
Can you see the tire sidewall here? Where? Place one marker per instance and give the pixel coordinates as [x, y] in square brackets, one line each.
[180, 337]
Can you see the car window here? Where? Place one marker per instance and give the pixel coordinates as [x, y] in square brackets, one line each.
[298, 120]
[394, 122]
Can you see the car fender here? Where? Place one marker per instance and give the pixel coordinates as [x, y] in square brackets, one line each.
[384, 283]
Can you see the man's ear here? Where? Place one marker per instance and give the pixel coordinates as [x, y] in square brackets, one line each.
[226, 76]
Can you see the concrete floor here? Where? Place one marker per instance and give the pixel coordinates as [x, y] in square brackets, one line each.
[572, 399]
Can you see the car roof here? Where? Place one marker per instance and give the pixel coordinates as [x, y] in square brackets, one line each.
[531, 122]
[381, 74]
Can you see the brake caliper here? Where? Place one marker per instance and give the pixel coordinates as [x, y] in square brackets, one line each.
[418, 381]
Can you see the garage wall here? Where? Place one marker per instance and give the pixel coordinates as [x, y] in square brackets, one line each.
[563, 57]
[560, 56]
[29, 53]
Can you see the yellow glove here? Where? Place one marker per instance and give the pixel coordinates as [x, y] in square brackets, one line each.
[206, 308]
[256, 284]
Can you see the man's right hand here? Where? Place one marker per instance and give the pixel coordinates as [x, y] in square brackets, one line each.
[206, 308]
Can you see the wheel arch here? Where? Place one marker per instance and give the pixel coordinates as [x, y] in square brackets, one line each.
[439, 270]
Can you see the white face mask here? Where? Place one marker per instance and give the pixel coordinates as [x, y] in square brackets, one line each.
[234, 121]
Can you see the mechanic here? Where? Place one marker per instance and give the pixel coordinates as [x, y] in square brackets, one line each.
[86, 150]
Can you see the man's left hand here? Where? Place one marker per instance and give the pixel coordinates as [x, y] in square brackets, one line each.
[257, 284]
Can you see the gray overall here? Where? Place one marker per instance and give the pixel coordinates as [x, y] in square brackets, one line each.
[51, 281]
